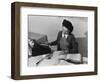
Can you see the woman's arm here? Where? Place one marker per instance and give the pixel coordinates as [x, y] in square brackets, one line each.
[56, 41]
[74, 45]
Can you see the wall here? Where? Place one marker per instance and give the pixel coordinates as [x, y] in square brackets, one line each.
[51, 25]
[5, 40]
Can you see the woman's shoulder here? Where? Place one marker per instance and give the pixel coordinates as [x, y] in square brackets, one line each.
[60, 31]
[71, 36]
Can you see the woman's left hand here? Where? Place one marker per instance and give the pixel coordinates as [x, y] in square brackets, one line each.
[65, 51]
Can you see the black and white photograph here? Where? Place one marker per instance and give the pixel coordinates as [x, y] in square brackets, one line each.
[57, 40]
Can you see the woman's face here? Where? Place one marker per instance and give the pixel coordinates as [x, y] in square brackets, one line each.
[65, 30]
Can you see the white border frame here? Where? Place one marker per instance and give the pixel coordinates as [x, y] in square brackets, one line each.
[25, 70]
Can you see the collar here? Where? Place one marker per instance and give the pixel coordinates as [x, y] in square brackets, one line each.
[64, 35]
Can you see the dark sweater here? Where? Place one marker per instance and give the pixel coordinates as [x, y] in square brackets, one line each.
[71, 45]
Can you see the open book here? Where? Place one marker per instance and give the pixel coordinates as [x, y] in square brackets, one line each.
[72, 58]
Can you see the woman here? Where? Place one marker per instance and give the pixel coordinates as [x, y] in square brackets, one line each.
[65, 40]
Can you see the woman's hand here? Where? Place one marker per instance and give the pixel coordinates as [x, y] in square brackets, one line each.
[65, 51]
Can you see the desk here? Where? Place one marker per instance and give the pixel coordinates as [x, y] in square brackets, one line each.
[32, 61]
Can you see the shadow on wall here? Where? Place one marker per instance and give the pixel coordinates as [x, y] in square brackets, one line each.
[83, 45]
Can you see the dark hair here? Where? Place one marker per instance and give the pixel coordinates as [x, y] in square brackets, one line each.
[68, 25]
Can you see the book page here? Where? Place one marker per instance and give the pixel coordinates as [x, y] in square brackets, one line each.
[74, 57]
